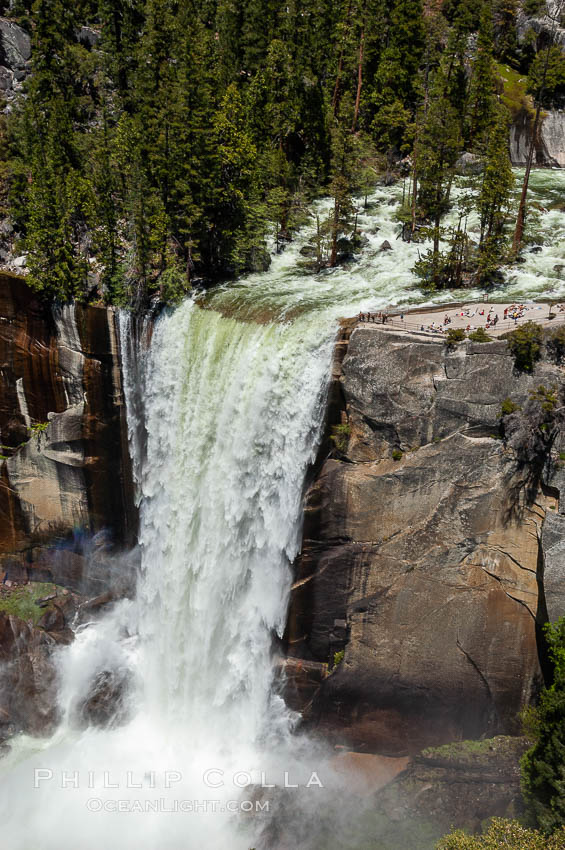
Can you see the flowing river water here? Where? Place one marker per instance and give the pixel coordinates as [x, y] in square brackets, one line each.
[225, 408]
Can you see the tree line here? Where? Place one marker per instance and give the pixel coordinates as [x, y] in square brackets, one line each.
[159, 142]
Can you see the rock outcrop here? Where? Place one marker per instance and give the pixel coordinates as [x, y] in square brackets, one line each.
[541, 30]
[422, 556]
[15, 57]
[461, 785]
[66, 497]
[550, 142]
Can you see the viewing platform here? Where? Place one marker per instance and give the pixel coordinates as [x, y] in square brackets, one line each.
[496, 318]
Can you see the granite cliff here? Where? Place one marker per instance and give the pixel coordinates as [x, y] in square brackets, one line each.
[66, 499]
[424, 560]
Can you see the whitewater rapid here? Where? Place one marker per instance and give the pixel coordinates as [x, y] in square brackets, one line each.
[225, 404]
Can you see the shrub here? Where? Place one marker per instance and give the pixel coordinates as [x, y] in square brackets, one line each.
[38, 427]
[503, 834]
[525, 344]
[22, 601]
[174, 283]
[454, 336]
[507, 407]
[555, 342]
[480, 335]
[397, 454]
[338, 658]
[543, 765]
[340, 436]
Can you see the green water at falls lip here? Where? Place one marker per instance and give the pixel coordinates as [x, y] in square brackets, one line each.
[379, 279]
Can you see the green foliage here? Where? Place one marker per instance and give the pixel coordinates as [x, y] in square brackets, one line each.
[454, 336]
[546, 77]
[38, 427]
[395, 92]
[507, 407]
[480, 335]
[338, 658]
[514, 90]
[193, 135]
[493, 202]
[505, 15]
[340, 436]
[555, 344]
[397, 454]
[542, 765]
[503, 835]
[21, 601]
[525, 344]
[482, 91]
[174, 283]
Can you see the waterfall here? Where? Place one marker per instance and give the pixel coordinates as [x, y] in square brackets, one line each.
[225, 403]
[232, 415]
[229, 423]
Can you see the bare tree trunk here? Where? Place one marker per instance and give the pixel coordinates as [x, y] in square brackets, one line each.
[521, 217]
[335, 229]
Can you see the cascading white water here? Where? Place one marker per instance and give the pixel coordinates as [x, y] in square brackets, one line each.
[224, 415]
[232, 413]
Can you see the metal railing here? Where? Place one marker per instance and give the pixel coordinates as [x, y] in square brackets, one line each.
[502, 326]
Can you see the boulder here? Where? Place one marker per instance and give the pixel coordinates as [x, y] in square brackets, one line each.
[550, 144]
[15, 45]
[259, 260]
[469, 163]
[385, 246]
[106, 703]
[6, 79]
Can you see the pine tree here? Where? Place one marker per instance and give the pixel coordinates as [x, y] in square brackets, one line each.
[494, 198]
[439, 145]
[543, 780]
[482, 93]
[396, 91]
[58, 199]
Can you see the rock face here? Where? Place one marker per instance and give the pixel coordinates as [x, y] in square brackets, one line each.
[65, 471]
[66, 497]
[457, 785]
[15, 56]
[27, 678]
[424, 570]
[550, 144]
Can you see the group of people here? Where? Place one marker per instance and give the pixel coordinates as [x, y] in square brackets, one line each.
[515, 311]
[433, 328]
[482, 317]
[377, 318]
